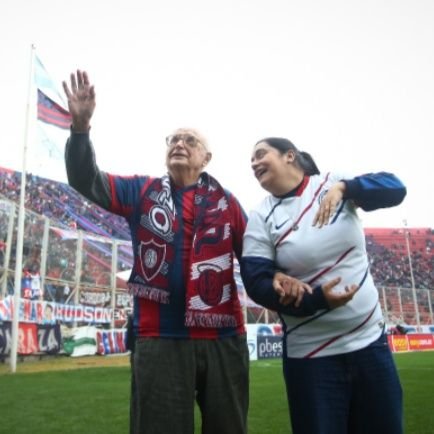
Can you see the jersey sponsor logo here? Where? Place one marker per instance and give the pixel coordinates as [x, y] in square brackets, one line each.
[152, 256]
[281, 224]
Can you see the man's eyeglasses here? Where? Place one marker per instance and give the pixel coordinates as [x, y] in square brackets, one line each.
[188, 140]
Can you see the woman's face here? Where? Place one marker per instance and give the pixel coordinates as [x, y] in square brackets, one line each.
[269, 166]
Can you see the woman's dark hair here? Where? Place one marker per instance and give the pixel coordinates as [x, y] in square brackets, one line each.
[303, 159]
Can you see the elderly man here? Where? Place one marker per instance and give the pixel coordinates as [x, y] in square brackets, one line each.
[189, 335]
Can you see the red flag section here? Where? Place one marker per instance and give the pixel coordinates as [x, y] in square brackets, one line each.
[52, 113]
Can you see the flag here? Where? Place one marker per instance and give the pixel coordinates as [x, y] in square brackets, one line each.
[50, 102]
[50, 129]
[51, 112]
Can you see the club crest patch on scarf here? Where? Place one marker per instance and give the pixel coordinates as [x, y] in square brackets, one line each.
[152, 256]
[210, 285]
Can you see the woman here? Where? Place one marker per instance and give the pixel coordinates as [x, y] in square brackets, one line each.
[304, 256]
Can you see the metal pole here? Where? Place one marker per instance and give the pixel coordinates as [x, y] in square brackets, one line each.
[115, 246]
[44, 253]
[413, 286]
[9, 239]
[20, 228]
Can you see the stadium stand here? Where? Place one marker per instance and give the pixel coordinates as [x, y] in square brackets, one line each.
[68, 212]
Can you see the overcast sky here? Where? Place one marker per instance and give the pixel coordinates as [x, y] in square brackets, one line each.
[351, 82]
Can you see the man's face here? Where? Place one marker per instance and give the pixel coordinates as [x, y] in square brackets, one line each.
[185, 151]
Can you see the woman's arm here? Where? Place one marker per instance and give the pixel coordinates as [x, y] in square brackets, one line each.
[258, 274]
[375, 190]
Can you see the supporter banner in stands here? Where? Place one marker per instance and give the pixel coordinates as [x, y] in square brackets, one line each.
[27, 339]
[110, 341]
[44, 312]
[95, 298]
[49, 338]
[5, 338]
[80, 341]
[86, 341]
[121, 316]
[32, 338]
[124, 300]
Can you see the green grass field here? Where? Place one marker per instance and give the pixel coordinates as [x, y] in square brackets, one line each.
[96, 400]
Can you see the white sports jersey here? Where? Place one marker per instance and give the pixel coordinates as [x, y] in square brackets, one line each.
[281, 230]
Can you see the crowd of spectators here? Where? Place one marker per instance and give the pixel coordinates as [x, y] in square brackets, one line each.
[66, 211]
[63, 204]
[389, 250]
[390, 258]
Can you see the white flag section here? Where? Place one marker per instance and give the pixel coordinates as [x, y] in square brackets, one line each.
[46, 153]
[80, 342]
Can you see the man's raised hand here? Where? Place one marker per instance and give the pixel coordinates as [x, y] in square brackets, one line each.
[81, 100]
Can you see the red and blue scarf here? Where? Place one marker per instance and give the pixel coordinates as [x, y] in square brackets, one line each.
[210, 284]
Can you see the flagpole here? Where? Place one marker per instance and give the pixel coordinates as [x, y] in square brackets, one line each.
[413, 285]
[20, 228]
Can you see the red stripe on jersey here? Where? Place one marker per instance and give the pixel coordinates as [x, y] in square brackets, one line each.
[115, 205]
[149, 317]
[304, 211]
[329, 342]
[326, 270]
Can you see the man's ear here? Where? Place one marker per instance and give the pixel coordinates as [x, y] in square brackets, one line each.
[207, 158]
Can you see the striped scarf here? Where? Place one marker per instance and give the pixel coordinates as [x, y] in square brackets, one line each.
[210, 283]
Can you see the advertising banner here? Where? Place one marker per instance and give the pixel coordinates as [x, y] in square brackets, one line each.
[269, 347]
[264, 340]
[419, 342]
[398, 343]
[411, 342]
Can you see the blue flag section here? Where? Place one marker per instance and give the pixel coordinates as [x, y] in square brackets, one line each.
[46, 84]
[51, 112]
